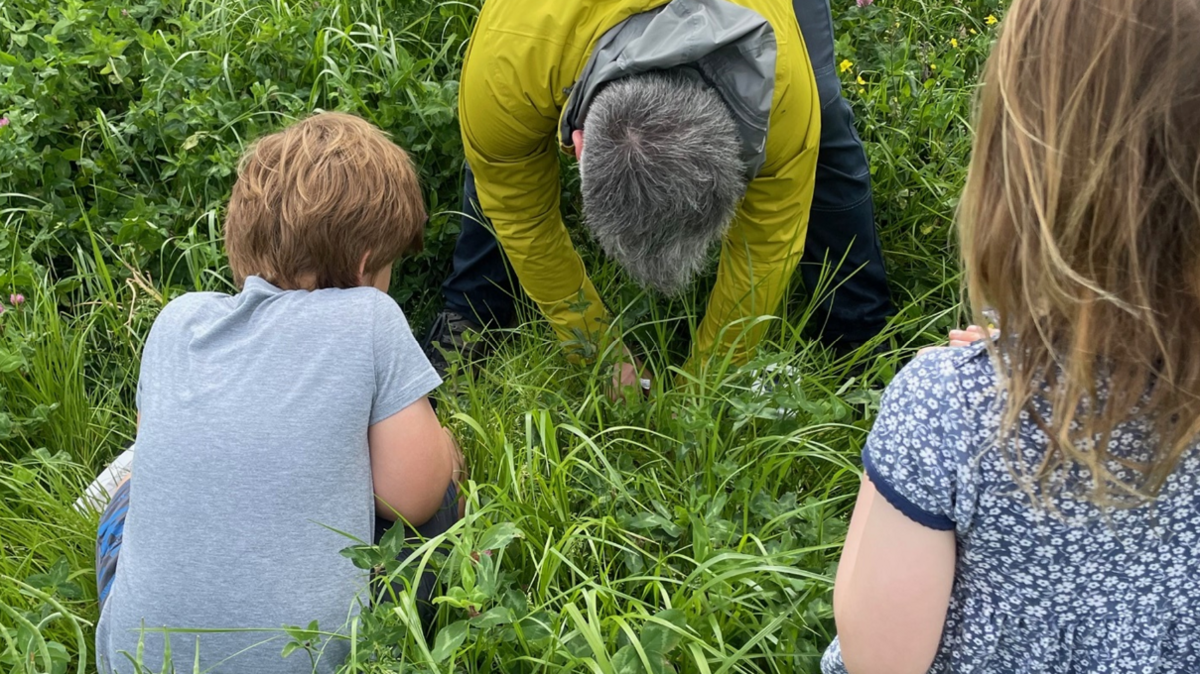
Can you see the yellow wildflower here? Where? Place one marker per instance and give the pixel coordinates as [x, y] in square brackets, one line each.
[861, 81]
[846, 65]
[974, 32]
[954, 42]
[933, 66]
[992, 20]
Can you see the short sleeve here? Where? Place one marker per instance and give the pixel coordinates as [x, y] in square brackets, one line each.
[919, 441]
[403, 374]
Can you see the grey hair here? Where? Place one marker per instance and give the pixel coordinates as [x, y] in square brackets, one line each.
[662, 175]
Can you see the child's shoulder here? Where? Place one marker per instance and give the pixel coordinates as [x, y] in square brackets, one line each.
[947, 370]
[182, 306]
[194, 299]
[345, 312]
[377, 305]
[953, 385]
[928, 431]
[259, 306]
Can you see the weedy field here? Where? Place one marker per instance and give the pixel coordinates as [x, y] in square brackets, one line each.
[695, 531]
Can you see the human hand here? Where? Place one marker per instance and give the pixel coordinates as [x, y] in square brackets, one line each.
[627, 374]
[966, 337]
[969, 336]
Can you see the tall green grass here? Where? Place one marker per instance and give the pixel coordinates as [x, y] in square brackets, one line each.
[693, 531]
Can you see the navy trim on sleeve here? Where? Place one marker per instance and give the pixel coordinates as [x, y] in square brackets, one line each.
[908, 508]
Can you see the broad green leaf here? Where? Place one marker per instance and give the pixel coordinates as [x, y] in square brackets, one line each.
[498, 536]
[627, 661]
[449, 639]
[498, 615]
[633, 561]
[10, 361]
[661, 639]
[535, 626]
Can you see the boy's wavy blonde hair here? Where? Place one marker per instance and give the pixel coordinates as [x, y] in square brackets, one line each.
[1080, 226]
[313, 199]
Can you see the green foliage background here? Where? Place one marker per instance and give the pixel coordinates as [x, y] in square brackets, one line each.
[695, 531]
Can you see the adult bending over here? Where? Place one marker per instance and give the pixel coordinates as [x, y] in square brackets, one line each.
[694, 121]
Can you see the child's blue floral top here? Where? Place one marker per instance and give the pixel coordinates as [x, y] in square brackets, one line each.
[1080, 591]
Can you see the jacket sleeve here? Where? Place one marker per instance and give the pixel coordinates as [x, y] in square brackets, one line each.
[762, 249]
[509, 135]
[758, 258]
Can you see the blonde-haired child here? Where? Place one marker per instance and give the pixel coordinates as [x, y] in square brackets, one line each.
[1031, 503]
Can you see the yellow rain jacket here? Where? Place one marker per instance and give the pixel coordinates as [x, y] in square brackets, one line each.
[523, 60]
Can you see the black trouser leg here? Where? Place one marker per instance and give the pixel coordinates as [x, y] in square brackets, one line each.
[841, 230]
[445, 518]
[480, 286]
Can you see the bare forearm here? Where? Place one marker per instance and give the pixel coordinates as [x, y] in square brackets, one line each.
[893, 589]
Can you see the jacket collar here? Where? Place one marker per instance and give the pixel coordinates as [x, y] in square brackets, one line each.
[730, 47]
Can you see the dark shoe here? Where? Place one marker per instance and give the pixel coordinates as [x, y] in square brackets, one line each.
[453, 333]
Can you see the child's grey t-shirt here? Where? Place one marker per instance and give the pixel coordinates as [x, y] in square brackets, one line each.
[252, 473]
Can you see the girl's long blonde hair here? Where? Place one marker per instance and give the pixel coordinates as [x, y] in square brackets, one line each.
[1080, 226]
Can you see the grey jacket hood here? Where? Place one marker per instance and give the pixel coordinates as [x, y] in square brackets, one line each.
[732, 48]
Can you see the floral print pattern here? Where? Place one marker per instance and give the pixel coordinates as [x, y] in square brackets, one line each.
[1070, 589]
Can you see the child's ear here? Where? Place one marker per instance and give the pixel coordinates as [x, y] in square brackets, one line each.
[365, 279]
[380, 279]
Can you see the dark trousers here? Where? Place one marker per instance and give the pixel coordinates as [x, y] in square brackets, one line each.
[841, 254]
[439, 524]
[480, 286]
